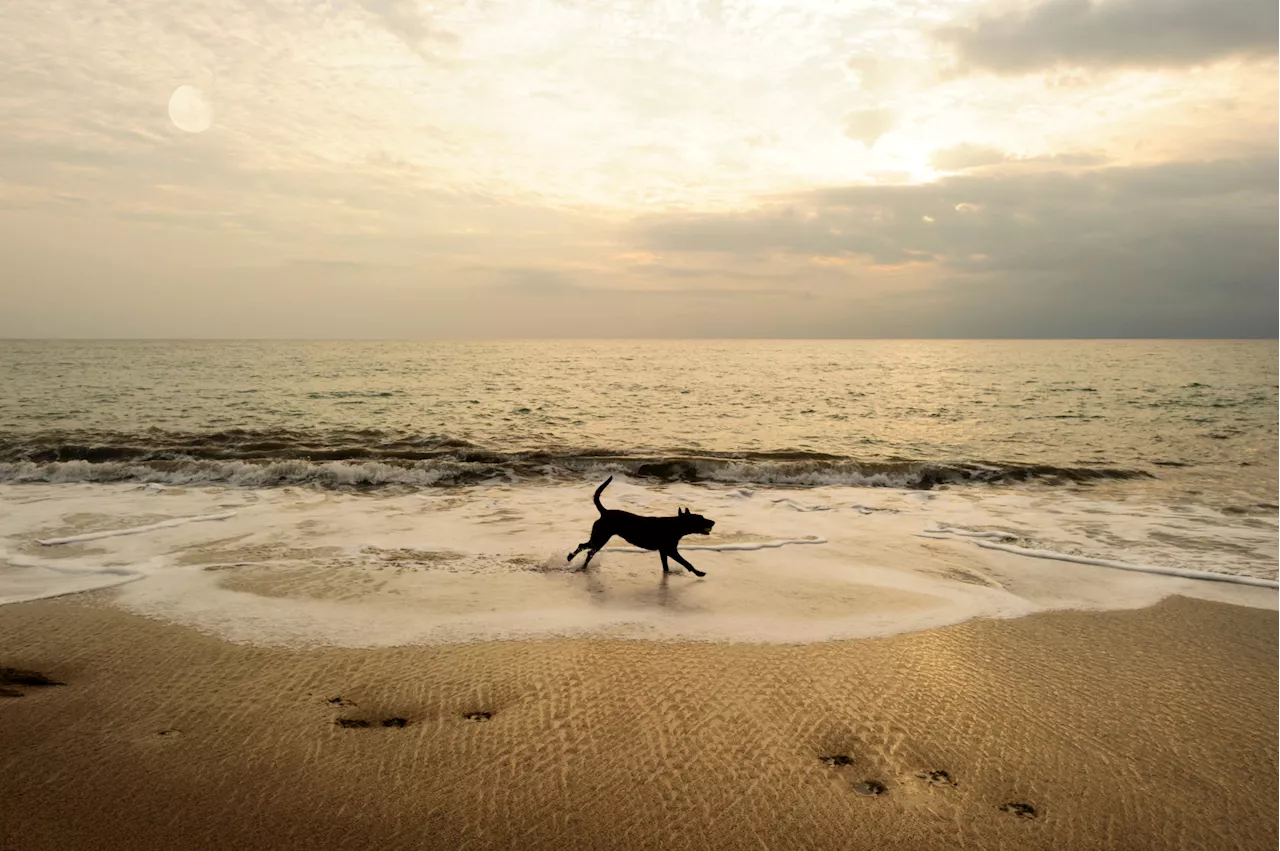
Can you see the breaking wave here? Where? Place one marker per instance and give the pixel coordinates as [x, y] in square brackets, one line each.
[369, 459]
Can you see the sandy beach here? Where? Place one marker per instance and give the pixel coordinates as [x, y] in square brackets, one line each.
[1145, 729]
[674, 425]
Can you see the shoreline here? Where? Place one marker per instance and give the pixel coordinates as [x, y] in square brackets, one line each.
[296, 568]
[1147, 728]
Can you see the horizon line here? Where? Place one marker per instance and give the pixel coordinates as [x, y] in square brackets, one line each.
[57, 339]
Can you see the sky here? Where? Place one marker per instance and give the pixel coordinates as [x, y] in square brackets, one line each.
[638, 168]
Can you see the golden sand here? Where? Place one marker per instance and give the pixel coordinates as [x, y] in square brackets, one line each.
[1123, 730]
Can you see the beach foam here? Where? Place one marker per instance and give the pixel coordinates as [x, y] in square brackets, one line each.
[729, 548]
[134, 530]
[22, 580]
[296, 566]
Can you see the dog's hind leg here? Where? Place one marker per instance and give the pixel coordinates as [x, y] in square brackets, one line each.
[675, 555]
[594, 546]
[600, 536]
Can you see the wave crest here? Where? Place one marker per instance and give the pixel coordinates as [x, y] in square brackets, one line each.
[457, 471]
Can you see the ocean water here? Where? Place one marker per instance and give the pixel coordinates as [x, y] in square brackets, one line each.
[321, 484]
[1193, 418]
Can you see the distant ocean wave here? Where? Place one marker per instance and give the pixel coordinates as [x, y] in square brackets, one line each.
[371, 458]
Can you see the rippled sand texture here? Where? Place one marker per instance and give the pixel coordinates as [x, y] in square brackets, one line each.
[1133, 730]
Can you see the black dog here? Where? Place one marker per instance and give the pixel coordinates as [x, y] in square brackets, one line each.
[648, 533]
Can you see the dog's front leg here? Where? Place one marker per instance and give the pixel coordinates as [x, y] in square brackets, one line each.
[676, 555]
[665, 569]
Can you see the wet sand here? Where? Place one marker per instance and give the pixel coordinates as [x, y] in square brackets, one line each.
[1145, 729]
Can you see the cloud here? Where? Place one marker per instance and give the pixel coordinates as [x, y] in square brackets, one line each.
[407, 21]
[666, 270]
[532, 279]
[965, 156]
[551, 281]
[868, 125]
[354, 152]
[1122, 33]
[1172, 250]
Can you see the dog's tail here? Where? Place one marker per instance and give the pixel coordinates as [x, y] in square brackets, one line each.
[600, 490]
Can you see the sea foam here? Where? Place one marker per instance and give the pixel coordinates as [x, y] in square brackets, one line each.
[297, 566]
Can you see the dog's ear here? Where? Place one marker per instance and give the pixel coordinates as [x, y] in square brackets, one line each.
[681, 511]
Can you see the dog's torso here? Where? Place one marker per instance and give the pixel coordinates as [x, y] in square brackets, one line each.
[647, 533]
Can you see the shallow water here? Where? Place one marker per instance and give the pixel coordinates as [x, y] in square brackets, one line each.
[301, 566]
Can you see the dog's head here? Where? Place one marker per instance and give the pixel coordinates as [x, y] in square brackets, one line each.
[695, 523]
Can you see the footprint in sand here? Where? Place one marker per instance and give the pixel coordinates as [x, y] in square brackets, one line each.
[837, 759]
[477, 716]
[1019, 809]
[361, 723]
[938, 778]
[870, 787]
[18, 677]
[351, 723]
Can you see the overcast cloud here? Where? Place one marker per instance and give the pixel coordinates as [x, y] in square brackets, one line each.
[1157, 250]
[1121, 33]
[393, 168]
